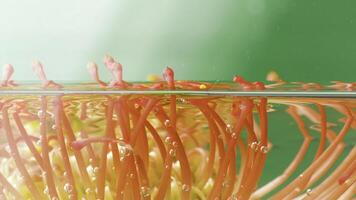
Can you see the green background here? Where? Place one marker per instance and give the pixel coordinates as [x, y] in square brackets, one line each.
[304, 40]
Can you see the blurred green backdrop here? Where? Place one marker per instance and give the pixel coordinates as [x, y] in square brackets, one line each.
[306, 40]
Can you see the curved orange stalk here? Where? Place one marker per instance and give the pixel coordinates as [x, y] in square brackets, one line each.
[166, 178]
[251, 152]
[28, 140]
[348, 173]
[328, 162]
[77, 154]
[140, 122]
[340, 189]
[349, 193]
[208, 169]
[16, 155]
[123, 117]
[231, 145]
[102, 166]
[128, 161]
[232, 168]
[323, 126]
[214, 139]
[128, 167]
[181, 156]
[90, 150]
[243, 154]
[296, 161]
[157, 139]
[338, 150]
[152, 130]
[142, 174]
[221, 124]
[45, 149]
[139, 163]
[332, 178]
[136, 192]
[121, 179]
[230, 183]
[314, 166]
[141, 147]
[60, 137]
[260, 158]
[204, 108]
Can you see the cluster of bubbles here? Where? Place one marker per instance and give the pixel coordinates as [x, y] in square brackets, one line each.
[256, 146]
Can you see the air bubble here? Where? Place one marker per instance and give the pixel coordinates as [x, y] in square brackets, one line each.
[242, 107]
[264, 149]
[68, 188]
[45, 191]
[226, 184]
[96, 169]
[167, 123]
[175, 144]
[309, 192]
[88, 190]
[185, 188]
[145, 192]
[125, 149]
[40, 114]
[234, 136]
[181, 100]
[54, 127]
[254, 145]
[228, 128]
[172, 152]
[168, 140]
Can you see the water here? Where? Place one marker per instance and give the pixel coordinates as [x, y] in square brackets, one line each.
[119, 157]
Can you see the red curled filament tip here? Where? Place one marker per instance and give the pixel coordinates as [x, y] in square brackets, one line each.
[115, 69]
[93, 71]
[168, 76]
[37, 67]
[7, 72]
